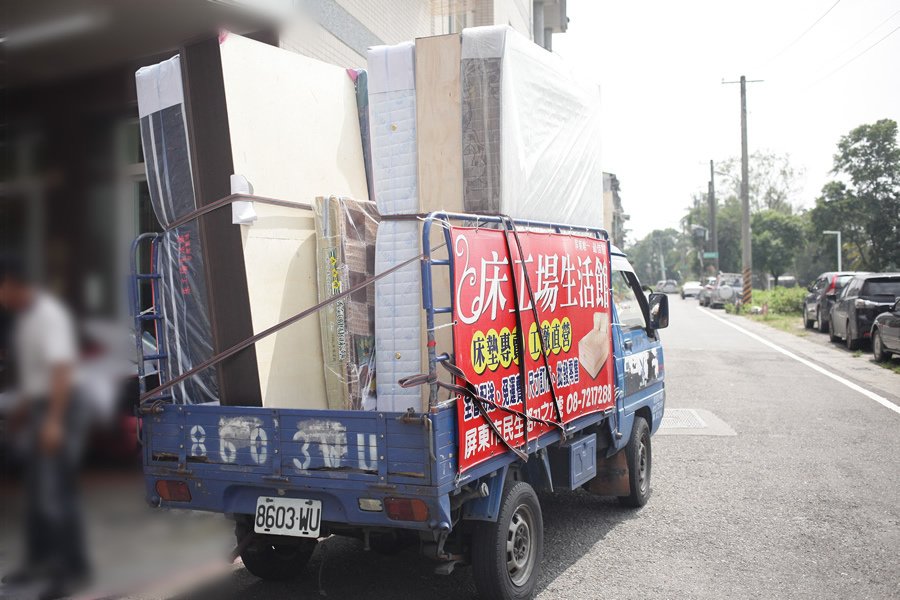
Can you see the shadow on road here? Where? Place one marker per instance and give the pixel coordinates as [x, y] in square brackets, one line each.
[340, 569]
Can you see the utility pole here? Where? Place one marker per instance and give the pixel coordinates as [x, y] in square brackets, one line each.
[713, 207]
[746, 252]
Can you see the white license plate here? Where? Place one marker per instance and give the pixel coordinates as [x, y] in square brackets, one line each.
[288, 516]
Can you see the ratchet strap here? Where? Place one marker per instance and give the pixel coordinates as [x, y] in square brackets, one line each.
[511, 228]
[470, 390]
[214, 360]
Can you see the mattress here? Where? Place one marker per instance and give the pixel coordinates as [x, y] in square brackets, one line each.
[398, 316]
[186, 337]
[392, 123]
[531, 131]
[398, 297]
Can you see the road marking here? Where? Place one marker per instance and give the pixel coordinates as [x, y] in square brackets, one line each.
[868, 394]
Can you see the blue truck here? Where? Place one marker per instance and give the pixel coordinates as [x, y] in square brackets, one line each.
[290, 477]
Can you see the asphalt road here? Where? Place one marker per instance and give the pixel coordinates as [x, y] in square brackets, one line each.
[797, 496]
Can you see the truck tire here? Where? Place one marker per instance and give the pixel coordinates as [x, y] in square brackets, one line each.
[638, 454]
[270, 560]
[507, 554]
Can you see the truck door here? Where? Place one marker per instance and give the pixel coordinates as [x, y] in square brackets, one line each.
[639, 360]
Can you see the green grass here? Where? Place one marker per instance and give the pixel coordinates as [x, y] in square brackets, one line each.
[785, 306]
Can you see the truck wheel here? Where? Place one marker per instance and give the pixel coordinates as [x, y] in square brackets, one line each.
[807, 322]
[878, 350]
[852, 344]
[272, 560]
[640, 461]
[506, 555]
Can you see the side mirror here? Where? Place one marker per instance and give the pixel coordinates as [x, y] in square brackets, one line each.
[659, 311]
[811, 287]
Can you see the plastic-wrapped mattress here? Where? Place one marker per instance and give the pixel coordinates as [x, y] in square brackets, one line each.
[530, 127]
[187, 333]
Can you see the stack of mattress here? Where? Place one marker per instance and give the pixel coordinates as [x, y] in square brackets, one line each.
[414, 122]
[290, 126]
[345, 241]
[398, 297]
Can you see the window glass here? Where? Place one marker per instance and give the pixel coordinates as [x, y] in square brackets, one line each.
[842, 281]
[630, 314]
[882, 287]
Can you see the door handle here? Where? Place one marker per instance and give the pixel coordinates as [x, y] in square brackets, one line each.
[627, 344]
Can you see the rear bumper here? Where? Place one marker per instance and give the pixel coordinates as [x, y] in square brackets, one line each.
[340, 505]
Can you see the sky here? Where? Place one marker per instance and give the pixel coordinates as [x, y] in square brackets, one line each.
[660, 65]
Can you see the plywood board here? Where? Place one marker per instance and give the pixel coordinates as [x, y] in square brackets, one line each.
[294, 135]
[439, 141]
[438, 118]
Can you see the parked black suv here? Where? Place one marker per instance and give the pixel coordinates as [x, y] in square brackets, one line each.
[863, 298]
[822, 293]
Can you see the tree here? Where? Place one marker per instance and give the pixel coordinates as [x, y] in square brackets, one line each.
[776, 237]
[774, 183]
[661, 247]
[864, 203]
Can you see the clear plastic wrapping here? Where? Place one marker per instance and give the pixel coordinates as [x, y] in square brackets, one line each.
[345, 252]
[187, 336]
[531, 131]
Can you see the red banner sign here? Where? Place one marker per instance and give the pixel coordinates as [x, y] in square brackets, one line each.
[570, 278]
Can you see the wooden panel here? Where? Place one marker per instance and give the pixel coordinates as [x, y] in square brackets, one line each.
[294, 133]
[439, 147]
[438, 123]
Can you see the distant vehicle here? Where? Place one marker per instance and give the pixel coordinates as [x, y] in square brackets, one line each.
[785, 281]
[667, 286]
[886, 333]
[726, 290]
[705, 291]
[822, 293]
[862, 299]
[691, 289]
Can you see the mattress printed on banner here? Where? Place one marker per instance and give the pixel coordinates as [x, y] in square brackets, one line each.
[570, 277]
[182, 283]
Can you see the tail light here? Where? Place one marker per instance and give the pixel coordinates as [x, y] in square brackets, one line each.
[406, 509]
[860, 303]
[173, 491]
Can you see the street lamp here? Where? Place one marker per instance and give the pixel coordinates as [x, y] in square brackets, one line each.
[838, 234]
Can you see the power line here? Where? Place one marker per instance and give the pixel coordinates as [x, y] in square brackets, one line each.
[865, 37]
[807, 30]
[821, 79]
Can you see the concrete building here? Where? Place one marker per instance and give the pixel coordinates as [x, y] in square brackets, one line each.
[72, 184]
[614, 216]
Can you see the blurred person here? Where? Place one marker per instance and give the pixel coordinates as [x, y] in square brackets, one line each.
[52, 424]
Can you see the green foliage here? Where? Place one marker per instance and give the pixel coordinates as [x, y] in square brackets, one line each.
[676, 252]
[776, 238]
[774, 182]
[864, 204]
[781, 300]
